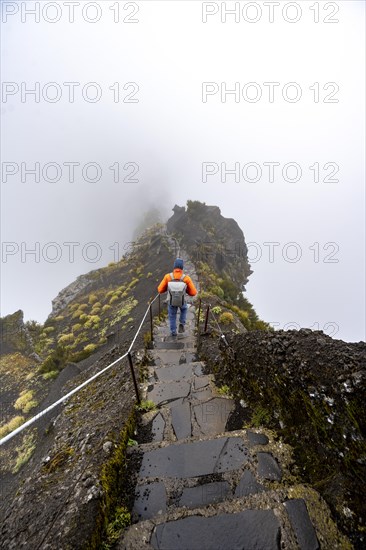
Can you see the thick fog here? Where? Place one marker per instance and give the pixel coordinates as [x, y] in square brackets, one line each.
[110, 109]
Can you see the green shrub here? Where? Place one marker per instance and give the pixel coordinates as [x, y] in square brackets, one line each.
[59, 318]
[50, 375]
[77, 314]
[92, 298]
[83, 317]
[48, 330]
[226, 318]
[90, 348]
[66, 338]
[106, 308]
[25, 401]
[76, 327]
[218, 291]
[83, 307]
[114, 299]
[55, 361]
[216, 310]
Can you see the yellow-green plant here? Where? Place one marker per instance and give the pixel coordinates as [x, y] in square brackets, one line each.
[25, 401]
[90, 348]
[12, 425]
[226, 318]
[66, 338]
[24, 452]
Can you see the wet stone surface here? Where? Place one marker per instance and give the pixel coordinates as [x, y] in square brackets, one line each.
[161, 392]
[248, 485]
[199, 370]
[202, 395]
[268, 467]
[212, 415]
[300, 521]
[157, 429]
[194, 459]
[249, 530]
[150, 499]
[181, 420]
[169, 345]
[201, 382]
[202, 495]
[174, 372]
[257, 439]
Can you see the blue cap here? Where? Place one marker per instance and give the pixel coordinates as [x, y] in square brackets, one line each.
[178, 264]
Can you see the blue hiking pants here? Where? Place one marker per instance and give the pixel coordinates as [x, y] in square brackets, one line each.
[172, 311]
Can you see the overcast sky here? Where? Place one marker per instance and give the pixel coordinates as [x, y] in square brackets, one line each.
[151, 96]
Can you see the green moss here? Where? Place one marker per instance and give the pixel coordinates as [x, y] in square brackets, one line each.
[113, 516]
[115, 528]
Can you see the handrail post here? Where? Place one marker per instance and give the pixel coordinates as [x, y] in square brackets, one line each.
[206, 320]
[134, 378]
[159, 306]
[199, 312]
[151, 325]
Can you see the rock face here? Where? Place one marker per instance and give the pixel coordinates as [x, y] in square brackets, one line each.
[211, 238]
[68, 293]
[14, 335]
[311, 389]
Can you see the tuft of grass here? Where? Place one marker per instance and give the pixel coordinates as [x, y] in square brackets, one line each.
[146, 406]
[224, 390]
[58, 459]
[12, 425]
[25, 401]
[24, 452]
[121, 520]
[260, 417]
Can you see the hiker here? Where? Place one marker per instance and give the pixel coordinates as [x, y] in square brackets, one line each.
[177, 284]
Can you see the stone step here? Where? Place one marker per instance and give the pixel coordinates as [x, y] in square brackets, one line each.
[196, 458]
[258, 520]
[245, 530]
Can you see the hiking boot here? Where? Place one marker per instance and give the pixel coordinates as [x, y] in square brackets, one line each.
[173, 334]
[181, 328]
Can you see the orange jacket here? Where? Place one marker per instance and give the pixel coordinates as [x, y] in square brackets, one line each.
[163, 287]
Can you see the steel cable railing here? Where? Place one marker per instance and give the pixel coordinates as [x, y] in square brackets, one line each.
[75, 390]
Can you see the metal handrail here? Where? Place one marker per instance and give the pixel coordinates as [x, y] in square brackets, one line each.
[62, 399]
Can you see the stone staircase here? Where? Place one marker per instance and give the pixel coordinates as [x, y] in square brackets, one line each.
[201, 487]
